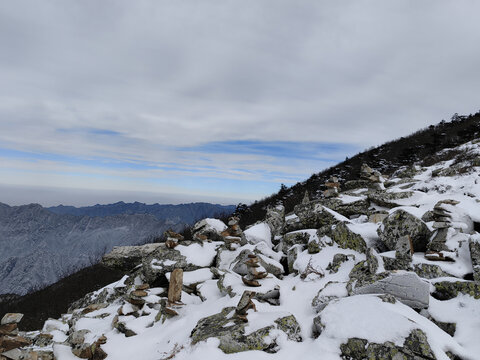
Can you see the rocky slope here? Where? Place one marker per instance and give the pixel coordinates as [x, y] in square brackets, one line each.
[383, 268]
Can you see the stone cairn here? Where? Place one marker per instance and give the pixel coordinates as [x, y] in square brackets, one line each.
[174, 301]
[333, 187]
[442, 222]
[172, 239]
[244, 305]
[233, 235]
[255, 271]
[367, 173]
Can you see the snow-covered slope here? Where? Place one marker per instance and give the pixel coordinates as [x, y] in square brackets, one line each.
[389, 269]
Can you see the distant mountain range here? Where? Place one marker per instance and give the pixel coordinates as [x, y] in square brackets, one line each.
[182, 213]
[39, 246]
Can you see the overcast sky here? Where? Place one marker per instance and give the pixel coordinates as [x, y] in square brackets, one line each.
[222, 101]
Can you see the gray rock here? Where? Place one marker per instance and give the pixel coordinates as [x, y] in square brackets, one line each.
[11, 318]
[347, 209]
[401, 223]
[388, 199]
[126, 258]
[232, 336]
[474, 244]
[202, 231]
[294, 238]
[313, 215]
[405, 286]
[430, 271]
[275, 219]
[346, 238]
[338, 260]
[292, 255]
[241, 269]
[321, 300]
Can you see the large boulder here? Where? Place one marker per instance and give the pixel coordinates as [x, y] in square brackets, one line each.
[126, 258]
[346, 238]
[388, 199]
[405, 286]
[347, 208]
[313, 215]
[401, 223]
[233, 336]
[474, 244]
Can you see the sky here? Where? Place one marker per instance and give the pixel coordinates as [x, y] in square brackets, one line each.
[217, 100]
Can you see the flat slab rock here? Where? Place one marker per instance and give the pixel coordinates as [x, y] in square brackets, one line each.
[405, 286]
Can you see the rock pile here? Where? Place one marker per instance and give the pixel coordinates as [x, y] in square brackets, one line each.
[233, 236]
[333, 187]
[172, 238]
[442, 222]
[255, 271]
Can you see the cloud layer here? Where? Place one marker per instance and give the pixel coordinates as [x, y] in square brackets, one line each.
[225, 98]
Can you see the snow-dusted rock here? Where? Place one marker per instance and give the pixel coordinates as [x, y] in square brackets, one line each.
[401, 223]
[405, 286]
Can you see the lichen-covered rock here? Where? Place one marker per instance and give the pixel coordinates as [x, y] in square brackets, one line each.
[296, 237]
[405, 286]
[315, 245]
[474, 245]
[313, 215]
[387, 199]
[346, 238]
[415, 347]
[126, 258]
[233, 337]
[429, 271]
[163, 260]
[446, 290]
[275, 219]
[347, 208]
[337, 261]
[401, 223]
[359, 184]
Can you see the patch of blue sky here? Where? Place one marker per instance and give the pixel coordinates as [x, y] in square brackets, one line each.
[329, 152]
[92, 162]
[91, 131]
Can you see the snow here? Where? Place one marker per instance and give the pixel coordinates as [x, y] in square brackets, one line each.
[216, 224]
[200, 255]
[258, 233]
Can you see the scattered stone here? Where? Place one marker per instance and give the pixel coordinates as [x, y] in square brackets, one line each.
[94, 307]
[437, 256]
[233, 337]
[388, 199]
[377, 217]
[9, 329]
[429, 271]
[338, 260]
[142, 287]
[9, 342]
[175, 286]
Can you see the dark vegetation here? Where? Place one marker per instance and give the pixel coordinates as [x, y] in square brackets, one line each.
[54, 300]
[419, 146]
